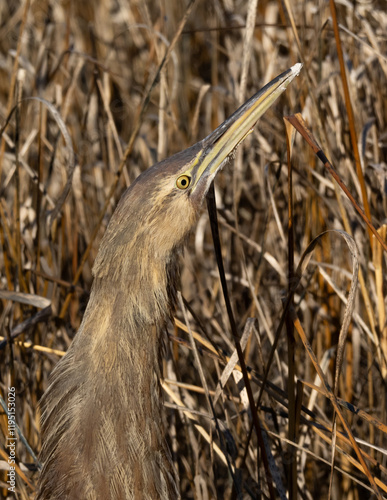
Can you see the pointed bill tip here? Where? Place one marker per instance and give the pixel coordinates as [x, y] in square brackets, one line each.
[296, 69]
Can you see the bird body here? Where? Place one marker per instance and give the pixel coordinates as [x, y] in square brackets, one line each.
[102, 428]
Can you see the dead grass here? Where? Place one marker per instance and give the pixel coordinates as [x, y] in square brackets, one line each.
[89, 67]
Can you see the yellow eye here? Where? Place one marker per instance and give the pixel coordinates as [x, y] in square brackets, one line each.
[183, 182]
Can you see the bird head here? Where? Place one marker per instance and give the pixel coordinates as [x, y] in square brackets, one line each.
[161, 206]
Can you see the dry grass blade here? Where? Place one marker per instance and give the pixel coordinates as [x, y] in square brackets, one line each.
[293, 411]
[69, 156]
[343, 336]
[14, 74]
[69, 159]
[231, 364]
[348, 309]
[298, 122]
[38, 348]
[349, 109]
[378, 263]
[25, 298]
[352, 408]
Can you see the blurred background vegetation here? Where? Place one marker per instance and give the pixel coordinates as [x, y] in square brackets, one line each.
[86, 104]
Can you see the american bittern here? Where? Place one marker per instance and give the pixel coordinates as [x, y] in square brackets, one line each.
[102, 429]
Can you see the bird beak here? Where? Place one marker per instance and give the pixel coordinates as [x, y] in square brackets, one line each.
[221, 143]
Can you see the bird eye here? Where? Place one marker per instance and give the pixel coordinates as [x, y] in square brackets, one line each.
[183, 182]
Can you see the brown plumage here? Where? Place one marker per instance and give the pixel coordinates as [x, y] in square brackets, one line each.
[102, 429]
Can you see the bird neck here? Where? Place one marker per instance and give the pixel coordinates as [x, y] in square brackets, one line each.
[123, 328]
